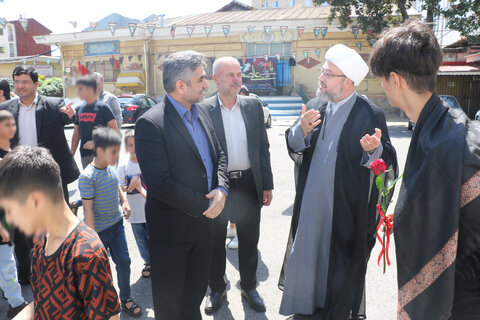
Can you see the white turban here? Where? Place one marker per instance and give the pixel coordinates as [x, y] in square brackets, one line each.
[349, 61]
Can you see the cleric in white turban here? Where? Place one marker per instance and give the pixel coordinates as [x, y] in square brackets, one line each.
[338, 135]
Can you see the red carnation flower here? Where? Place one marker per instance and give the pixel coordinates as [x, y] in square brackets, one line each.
[378, 167]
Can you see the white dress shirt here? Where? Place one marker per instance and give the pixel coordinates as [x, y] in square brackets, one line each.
[27, 125]
[235, 136]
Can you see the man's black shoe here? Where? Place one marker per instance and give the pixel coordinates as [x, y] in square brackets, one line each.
[12, 312]
[24, 281]
[214, 301]
[254, 300]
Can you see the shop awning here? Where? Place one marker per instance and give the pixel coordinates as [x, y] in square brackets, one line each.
[459, 71]
[131, 80]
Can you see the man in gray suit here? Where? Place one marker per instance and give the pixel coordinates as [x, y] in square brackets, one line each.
[240, 128]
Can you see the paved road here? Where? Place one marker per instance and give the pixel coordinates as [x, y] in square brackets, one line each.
[381, 288]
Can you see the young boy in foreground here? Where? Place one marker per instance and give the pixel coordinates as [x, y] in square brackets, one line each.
[99, 188]
[71, 276]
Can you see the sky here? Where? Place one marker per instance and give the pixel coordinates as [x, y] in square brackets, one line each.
[56, 14]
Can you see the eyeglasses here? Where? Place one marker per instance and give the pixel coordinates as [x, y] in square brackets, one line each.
[329, 75]
[24, 82]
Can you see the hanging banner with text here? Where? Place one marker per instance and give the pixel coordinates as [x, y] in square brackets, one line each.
[260, 75]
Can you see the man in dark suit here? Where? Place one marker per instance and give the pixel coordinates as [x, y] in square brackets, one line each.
[239, 124]
[40, 122]
[185, 172]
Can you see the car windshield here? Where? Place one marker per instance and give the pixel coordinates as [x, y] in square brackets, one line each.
[125, 100]
[451, 101]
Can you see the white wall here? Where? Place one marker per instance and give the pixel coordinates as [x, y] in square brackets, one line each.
[8, 47]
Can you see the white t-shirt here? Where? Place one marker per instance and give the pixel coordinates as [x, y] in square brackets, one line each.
[135, 199]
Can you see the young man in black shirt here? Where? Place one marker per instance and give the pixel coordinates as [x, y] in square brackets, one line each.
[91, 114]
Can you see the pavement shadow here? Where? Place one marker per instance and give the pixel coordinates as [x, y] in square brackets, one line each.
[224, 313]
[262, 269]
[288, 211]
[399, 131]
[251, 314]
[141, 292]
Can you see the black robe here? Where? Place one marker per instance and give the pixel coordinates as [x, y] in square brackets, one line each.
[437, 218]
[354, 212]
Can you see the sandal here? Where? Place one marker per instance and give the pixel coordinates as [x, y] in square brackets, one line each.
[131, 310]
[146, 271]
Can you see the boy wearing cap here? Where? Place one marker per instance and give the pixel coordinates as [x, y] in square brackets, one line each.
[333, 143]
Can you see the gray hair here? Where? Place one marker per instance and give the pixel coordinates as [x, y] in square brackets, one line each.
[181, 66]
[220, 61]
[97, 75]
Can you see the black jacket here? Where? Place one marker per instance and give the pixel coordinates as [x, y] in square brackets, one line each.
[174, 173]
[50, 121]
[257, 139]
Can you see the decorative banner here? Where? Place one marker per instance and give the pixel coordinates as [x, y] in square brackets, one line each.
[244, 59]
[116, 62]
[73, 23]
[250, 28]
[277, 55]
[341, 28]
[93, 25]
[355, 32]
[151, 28]
[324, 32]
[3, 21]
[208, 29]
[190, 28]
[283, 29]
[130, 58]
[267, 29]
[259, 74]
[132, 27]
[300, 31]
[24, 23]
[139, 57]
[265, 57]
[113, 26]
[317, 52]
[172, 30]
[316, 32]
[359, 45]
[226, 29]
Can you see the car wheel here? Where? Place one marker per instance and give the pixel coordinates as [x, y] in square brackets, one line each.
[268, 124]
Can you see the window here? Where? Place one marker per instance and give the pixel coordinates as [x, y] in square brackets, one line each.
[284, 49]
[275, 4]
[10, 34]
[109, 72]
[2, 50]
[292, 3]
[308, 3]
[1, 31]
[12, 50]
[265, 5]
[152, 102]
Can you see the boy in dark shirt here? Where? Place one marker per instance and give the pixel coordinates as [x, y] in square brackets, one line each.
[71, 276]
[91, 114]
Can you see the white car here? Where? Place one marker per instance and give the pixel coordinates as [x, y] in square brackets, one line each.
[266, 112]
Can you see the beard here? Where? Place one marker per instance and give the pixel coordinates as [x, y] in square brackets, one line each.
[329, 95]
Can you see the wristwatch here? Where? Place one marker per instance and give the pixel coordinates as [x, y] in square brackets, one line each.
[129, 191]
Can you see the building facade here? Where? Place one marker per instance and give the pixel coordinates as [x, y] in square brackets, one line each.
[8, 41]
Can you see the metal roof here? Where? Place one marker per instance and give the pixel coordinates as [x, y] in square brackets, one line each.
[458, 71]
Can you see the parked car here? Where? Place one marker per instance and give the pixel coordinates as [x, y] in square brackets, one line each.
[266, 112]
[133, 106]
[452, 102]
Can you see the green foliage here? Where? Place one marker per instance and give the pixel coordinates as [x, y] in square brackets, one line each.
[51, 87]
[464, 16]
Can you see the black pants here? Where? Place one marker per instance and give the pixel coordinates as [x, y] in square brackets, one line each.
[23, 251]
[466, 303]
[180, 276]
[243, 209]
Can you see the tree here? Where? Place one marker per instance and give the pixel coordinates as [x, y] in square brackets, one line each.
[51, 87]
[464, 16]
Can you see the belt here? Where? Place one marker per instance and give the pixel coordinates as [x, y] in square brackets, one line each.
[232, 175]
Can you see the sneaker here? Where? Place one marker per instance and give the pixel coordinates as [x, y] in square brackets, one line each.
[12, 312]
[231, 233]
[233, 244]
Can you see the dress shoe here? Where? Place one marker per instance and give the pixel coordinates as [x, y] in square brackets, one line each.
[12, 312]
[254, 300]
[214, 301]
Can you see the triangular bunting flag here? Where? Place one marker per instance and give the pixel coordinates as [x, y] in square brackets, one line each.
[277, 55]
[300, 31]
[190, 28]
[139, 57]
[34, 62]
[130, 58]
[341, 28]
[112, 61]
[151, 28]
[159, 56]
[317, 52]
[172, 30]
[355, 32]
[132, 27]
[112, 26]
[208, 29]
[359, 45]
[371, 42]
[254, 59]
[305, 53]
[73, 23]
[226, 29]
[294, 55]
[244, 60]
[283, 29]
[250, 28]
[267, 29]
[316, 32]
[93, 25]
[102, 62]
[265, 57]
[121, 60]
[3, 21]
[324, 32]
[24, 23]
[116, 62]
